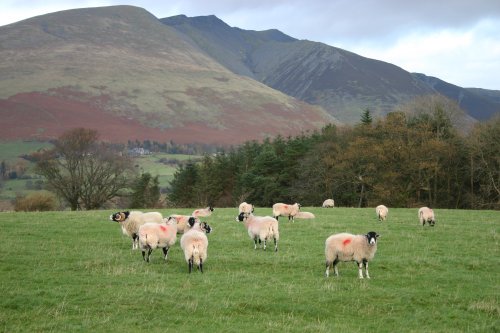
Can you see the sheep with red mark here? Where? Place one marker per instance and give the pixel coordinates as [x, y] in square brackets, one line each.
[328, 203]
[261, 228]
[157, 235]
[183, 222]
[194, 244]
[349, 247]
[282, 209]
[131, 221]
[382, 212]
[426, 214]
[203, 212]
[245, 208]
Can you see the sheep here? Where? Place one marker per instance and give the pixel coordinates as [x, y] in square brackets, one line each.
[260, 228]
[285, 210]
[245, 208]
[203, 212]
[194, 244]
[348, 247]
[382, 212]
[182, 222]
[154, 235]
[328, 203]
[131, 221]
[305, 215]
[426, 214]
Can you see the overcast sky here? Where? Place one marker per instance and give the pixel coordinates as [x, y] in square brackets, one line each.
[457, 41]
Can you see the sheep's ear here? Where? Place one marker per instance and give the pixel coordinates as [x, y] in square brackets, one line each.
[126, 213]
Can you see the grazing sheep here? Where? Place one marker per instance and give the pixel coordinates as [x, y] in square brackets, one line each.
[203, 212]
[348, 247]
[328, 203]
[194, 244]
[245, 208]
[182, 222]
[131, 221]
[154, 235]
[305, 215]
[261, 228]
[382, 212]
[281, 209]
[425, 214]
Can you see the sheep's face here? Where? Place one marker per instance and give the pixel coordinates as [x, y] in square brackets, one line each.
[119, 216]
[241, 217]
[205, 227]
[371, 237]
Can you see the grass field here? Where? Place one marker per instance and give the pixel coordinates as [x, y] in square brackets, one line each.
[75, 272]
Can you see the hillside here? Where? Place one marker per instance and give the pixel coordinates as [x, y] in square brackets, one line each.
[342, 82]
[120, 70]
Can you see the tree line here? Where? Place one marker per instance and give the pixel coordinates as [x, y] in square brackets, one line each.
[403, 160]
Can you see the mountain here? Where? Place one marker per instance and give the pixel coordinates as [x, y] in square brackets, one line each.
[121, 71]
[343, 83]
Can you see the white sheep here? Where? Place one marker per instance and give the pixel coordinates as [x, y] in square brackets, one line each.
[305, 215]
[426, 214]
[382, 212]
[157, 235]
[348, 247]
[131, 221]
[260, 228]
[194, 244]
[281, 209]
[183, 222]
[328, 203]
[203, 212]
[245, 208]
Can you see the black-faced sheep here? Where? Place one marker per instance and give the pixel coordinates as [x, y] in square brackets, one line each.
[348, 247]
[382, 212]
[245, 208]
[203, 212]
[131, 221]
[260, 228]
[281, 209]
[328, 203]
[154, 235]
[183, 222]
[426, 214]
[194, 244]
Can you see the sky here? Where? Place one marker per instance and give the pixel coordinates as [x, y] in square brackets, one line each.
[457, 41]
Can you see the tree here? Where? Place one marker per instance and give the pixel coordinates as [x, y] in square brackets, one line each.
[366, 117]
[82, 171]
[145, 191]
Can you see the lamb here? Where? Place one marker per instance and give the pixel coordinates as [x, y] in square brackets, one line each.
[194, 244]
[131, 221]
[154, 235]
[182, 222]
[305, 215]
[382, 212]
[260, 228]
[348, 247]
[203, 212]
[281, 209]
[245, 208]
[328, 203]
[426, 214]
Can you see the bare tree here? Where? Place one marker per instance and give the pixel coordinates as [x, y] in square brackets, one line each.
[83, 171]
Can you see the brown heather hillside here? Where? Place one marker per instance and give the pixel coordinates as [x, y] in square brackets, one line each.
[120, 70]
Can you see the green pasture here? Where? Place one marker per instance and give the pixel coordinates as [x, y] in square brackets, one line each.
[76, 272]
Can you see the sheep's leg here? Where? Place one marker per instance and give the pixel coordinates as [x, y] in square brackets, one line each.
[165, 253]
[144, 255]
[255, 243]
[190, 264]
[360, 269]
[366, 269]
[334, 264]
[328, 265]
[200, 266]
[135, 241]
[275, 244]
[265, 243]
[149, 253]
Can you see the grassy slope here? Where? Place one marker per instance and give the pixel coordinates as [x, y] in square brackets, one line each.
[73, 271]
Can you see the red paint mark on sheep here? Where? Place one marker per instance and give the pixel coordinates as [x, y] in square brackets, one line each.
[346, 241]
[162, 227]
[286, 207]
